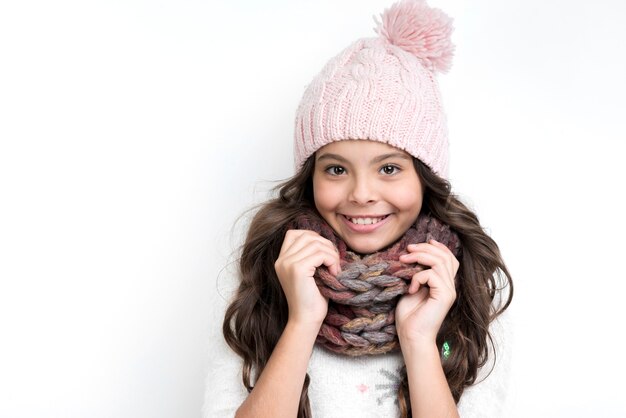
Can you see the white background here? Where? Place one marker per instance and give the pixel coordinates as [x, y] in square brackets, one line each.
[133, 134]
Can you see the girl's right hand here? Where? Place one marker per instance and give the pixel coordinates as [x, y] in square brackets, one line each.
[301, 253]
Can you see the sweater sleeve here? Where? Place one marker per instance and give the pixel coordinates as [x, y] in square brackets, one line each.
[490, 395]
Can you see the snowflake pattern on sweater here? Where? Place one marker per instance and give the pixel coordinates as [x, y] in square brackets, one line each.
[343, 386]
[390, 390]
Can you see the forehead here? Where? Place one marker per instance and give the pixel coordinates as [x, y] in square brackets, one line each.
[354, 149]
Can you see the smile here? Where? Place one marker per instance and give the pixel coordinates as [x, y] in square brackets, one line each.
[365, 221]
[365, 224]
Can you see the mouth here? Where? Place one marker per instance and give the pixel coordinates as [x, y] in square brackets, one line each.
[365, 220]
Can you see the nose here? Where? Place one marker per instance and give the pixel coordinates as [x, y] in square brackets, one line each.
[363, 191]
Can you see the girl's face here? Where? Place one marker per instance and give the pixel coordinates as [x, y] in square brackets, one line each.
[367, 191]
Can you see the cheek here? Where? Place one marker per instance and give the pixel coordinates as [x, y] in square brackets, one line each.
[326, 201]
[325, 196]
[408, 200]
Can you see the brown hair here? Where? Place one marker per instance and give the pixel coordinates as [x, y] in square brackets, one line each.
[256, 317]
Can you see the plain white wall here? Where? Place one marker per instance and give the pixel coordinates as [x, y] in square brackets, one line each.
[133, 133]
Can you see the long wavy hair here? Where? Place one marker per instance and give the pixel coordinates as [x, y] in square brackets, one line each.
[257, 315]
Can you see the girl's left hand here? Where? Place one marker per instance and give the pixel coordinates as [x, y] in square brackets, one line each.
[421, 311]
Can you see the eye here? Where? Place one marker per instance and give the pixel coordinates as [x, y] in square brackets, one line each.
[335, 170]
[389, 169]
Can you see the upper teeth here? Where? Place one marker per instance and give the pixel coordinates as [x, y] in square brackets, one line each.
[365, 221]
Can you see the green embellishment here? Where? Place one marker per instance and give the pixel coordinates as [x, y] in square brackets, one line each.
[445, 350]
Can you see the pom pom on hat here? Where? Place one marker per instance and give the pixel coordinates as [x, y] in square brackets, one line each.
[420, 30]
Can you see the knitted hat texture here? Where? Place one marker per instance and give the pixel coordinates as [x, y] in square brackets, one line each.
[384, 89]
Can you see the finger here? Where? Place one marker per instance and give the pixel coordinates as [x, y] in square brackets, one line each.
[430, 255]
[418, 280]
[299, 239]
[310, 245]
[436, 289]
[442, 270]
[425, 258]
[454, 263]
[290, 237]
[310, 236]
[317, 258]
[432, 246]
[295, 240]
[435, 282]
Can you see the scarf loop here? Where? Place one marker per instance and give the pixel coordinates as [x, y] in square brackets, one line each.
[363, 297]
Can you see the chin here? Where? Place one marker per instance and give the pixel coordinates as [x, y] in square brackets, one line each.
[364, 247]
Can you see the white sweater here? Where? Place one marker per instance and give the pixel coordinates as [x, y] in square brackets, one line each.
[349, 387]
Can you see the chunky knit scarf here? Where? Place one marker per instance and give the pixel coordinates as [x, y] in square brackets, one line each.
[363, 297]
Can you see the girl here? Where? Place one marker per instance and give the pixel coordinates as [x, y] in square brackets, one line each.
[366, 287]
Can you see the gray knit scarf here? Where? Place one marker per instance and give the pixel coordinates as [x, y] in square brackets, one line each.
[363, 297]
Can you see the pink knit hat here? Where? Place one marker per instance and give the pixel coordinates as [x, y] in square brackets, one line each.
[384, 89]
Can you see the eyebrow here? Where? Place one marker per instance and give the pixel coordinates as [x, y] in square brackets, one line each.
[378, 159]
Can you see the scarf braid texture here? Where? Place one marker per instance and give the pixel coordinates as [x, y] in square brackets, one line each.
[363, 297]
